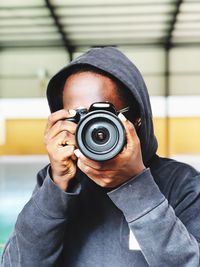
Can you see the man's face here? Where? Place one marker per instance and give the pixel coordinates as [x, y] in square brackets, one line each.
[83, 89]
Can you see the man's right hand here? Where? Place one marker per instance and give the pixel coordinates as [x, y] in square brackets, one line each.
[60, 143]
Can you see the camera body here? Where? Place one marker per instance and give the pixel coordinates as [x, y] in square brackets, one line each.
[100, 135]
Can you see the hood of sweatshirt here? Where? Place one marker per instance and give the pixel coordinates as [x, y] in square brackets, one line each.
[114, 62]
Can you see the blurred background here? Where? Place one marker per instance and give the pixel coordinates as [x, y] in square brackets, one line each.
[38, 37]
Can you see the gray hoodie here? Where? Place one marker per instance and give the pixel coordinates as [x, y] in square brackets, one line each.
[152, 220]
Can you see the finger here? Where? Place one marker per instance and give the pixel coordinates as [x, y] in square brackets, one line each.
[61, 139]
[59, 115]
[73, 157]
[66, 152]
[61, 153]
[96, 165]
[60, 126]
[86, 169]
[100, 178]
[131, 134]
[65, 138]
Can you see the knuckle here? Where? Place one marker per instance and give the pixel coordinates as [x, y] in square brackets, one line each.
[86, 168]
[137, 141]
[62, 136]
[51, 117]
[46, 129]
[130, 125]
[67, 113]
[98, 166]
[63, 126]
[49, 149]
[67, 135]
[104, 183]
[46, 136]
[45, 141]
[107, 181]
[59, 125]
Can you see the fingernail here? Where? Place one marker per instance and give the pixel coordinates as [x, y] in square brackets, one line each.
[77, 152]
[122, 117]
[72, 112]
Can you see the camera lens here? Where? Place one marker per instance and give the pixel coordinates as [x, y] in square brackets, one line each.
[100, 135]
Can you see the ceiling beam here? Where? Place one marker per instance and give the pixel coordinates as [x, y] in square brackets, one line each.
[27, 45]
[25, 16]
[114, 4]
[129, 13]
[34, 45]
[168, 42]
[13, 7]
[59, 27]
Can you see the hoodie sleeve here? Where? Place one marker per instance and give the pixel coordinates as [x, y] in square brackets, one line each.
[164, 240]
[39, 231]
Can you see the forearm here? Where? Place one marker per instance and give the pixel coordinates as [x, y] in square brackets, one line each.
[39, 231]
[162, 237]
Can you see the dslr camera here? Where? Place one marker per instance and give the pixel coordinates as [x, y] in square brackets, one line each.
[100, 135]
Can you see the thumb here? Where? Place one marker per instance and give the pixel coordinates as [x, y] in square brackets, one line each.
[78, 153]
[130, 130]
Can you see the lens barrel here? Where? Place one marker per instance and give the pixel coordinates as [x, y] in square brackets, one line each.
[100, 135]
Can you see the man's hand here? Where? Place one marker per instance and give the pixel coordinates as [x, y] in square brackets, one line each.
[120, 169]
[60, 144]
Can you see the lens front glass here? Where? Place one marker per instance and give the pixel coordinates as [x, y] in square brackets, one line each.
[100, 135]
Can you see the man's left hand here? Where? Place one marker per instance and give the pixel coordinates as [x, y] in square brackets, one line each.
[126, 165]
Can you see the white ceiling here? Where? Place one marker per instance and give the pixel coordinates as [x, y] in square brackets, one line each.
[74, 24]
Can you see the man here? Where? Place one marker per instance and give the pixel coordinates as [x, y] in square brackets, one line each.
[136, 209]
